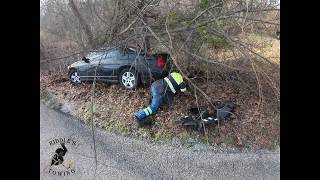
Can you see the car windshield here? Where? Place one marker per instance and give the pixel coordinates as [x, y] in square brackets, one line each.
[95, 56]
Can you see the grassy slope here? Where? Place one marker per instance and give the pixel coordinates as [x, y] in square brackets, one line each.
[115, 106]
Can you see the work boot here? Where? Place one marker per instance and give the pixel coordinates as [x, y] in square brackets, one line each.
[139, 122]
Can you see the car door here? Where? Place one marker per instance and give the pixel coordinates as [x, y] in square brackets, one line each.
[109, 65]
[95, 59]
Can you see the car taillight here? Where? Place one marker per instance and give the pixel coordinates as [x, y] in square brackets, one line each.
[160, 61]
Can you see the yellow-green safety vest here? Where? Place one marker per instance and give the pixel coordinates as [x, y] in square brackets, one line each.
[175, 82]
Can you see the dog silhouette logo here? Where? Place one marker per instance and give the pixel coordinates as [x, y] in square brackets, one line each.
[60, 164]
[58, 159]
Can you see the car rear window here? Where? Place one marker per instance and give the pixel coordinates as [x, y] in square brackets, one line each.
[134, 51]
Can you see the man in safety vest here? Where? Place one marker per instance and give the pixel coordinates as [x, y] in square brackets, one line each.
[163, 91]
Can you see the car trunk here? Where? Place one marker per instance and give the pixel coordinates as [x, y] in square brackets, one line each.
[155, 67]
[160, 65]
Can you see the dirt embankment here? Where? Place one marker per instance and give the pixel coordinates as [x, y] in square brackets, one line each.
[114, 108]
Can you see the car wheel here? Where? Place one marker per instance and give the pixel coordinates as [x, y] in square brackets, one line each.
[128, 78]
[74, 77]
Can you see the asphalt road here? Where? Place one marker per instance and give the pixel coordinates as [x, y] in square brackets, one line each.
[127, 158]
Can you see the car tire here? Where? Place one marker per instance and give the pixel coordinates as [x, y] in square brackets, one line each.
[128, 78]
[74, 77]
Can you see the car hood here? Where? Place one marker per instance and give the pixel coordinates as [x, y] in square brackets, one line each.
[78, 63]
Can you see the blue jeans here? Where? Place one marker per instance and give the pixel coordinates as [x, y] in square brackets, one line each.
[157, 100]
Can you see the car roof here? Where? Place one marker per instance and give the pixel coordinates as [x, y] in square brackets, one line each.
[101, 49]
[131, 48]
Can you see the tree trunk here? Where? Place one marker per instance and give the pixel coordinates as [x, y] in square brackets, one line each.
[146, 38]
[146, 44]
[83, 24]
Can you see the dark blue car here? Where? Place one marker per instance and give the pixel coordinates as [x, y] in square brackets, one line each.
[127, 66]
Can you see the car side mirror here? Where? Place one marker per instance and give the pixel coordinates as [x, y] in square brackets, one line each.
[85, 60]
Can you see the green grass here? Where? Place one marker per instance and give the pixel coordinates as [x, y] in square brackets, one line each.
[188, 139]
[163, 136]
[229, 140]
[49, 101]
[122, 128]
[85, 111]
[145, 133]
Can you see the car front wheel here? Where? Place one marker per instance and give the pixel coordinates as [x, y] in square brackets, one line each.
[128, 78]
[74, 77]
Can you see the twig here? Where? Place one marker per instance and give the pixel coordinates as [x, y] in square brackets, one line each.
[256, 20]
[202, 124]
[127, 28]
[201, 13]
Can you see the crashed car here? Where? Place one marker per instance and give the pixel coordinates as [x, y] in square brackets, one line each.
[126, 66]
